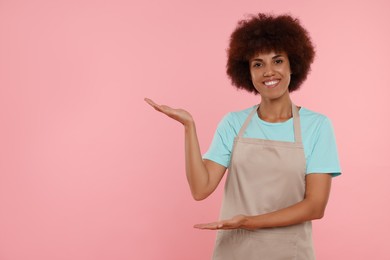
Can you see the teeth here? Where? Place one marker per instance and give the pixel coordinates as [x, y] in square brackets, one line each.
[270, 83]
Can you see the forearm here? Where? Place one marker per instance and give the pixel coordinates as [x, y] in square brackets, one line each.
[303, 211]
[196, 171]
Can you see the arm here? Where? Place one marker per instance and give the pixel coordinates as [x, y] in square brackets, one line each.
[311, 207]
[203, 176]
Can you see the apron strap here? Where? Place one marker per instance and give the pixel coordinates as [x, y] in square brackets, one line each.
[297, 124]
[296, 120]
[247, 121]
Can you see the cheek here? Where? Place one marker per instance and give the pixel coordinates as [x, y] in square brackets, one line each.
[288, 75]
[287, 78]
[256, 82]
[288, 69]
[251, 74]
[255, 77]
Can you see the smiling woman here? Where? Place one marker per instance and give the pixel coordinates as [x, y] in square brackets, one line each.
[280, 157]
[270, 74]
[265, 34]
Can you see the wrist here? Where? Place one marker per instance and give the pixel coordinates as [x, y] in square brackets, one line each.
[248, 223]
[190, 124]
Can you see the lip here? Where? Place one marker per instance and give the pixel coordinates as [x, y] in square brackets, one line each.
[273, 85]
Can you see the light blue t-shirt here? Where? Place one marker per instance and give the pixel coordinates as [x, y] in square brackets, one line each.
[317, 136]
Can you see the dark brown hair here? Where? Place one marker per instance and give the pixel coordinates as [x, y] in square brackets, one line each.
[265, 33]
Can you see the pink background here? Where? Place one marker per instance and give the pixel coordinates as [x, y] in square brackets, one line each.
[89, 171]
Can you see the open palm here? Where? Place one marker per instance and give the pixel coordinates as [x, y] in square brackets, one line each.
[178, 114]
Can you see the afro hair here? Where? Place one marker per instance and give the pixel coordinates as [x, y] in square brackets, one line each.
[265, 33]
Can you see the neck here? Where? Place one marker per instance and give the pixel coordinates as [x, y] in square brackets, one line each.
[275, 110]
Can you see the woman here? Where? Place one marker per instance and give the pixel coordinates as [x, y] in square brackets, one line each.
[281, 158]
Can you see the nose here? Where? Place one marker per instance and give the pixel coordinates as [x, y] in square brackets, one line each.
[268, 71]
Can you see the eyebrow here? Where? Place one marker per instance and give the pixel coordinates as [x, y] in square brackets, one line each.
[274, 57]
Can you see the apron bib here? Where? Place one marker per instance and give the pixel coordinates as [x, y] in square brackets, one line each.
[265, 176]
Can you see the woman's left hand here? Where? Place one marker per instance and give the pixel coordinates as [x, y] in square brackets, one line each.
[233, 223]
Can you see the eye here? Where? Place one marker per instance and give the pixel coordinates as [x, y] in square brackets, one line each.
[279, 61]
[257, 64]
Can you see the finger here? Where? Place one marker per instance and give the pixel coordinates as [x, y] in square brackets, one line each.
[162, 108]
[151, 102]
[201, 226]
[166, 108]
[225, 225]
[208, 228]
[204, 226]
[211, 226]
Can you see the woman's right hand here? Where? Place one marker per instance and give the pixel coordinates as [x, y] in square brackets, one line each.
[201, 183]
[179, 115]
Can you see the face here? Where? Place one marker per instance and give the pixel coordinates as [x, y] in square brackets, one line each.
[271, 74]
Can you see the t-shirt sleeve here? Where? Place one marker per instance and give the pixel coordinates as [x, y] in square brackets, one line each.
[221, 146]
[324, 156]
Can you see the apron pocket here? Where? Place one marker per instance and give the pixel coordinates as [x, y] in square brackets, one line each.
[255, 245]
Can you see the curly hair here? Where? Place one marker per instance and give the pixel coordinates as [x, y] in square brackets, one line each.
[264, 33]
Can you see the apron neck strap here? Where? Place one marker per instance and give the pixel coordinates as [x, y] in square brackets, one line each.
[296, 122]
[247, 121]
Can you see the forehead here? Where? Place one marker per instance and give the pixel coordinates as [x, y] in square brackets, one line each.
[269, 55]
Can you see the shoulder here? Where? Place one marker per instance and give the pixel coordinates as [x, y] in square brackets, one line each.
[238, 117]
[314, 123]
[311, 117]
[308, 114]
[233, 121]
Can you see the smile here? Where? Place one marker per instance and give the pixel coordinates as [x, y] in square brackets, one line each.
[271, 83]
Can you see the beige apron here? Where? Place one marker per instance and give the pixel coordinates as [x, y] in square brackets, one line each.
[265, 176]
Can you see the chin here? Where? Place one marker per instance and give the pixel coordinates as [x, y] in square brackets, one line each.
[274, 97]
